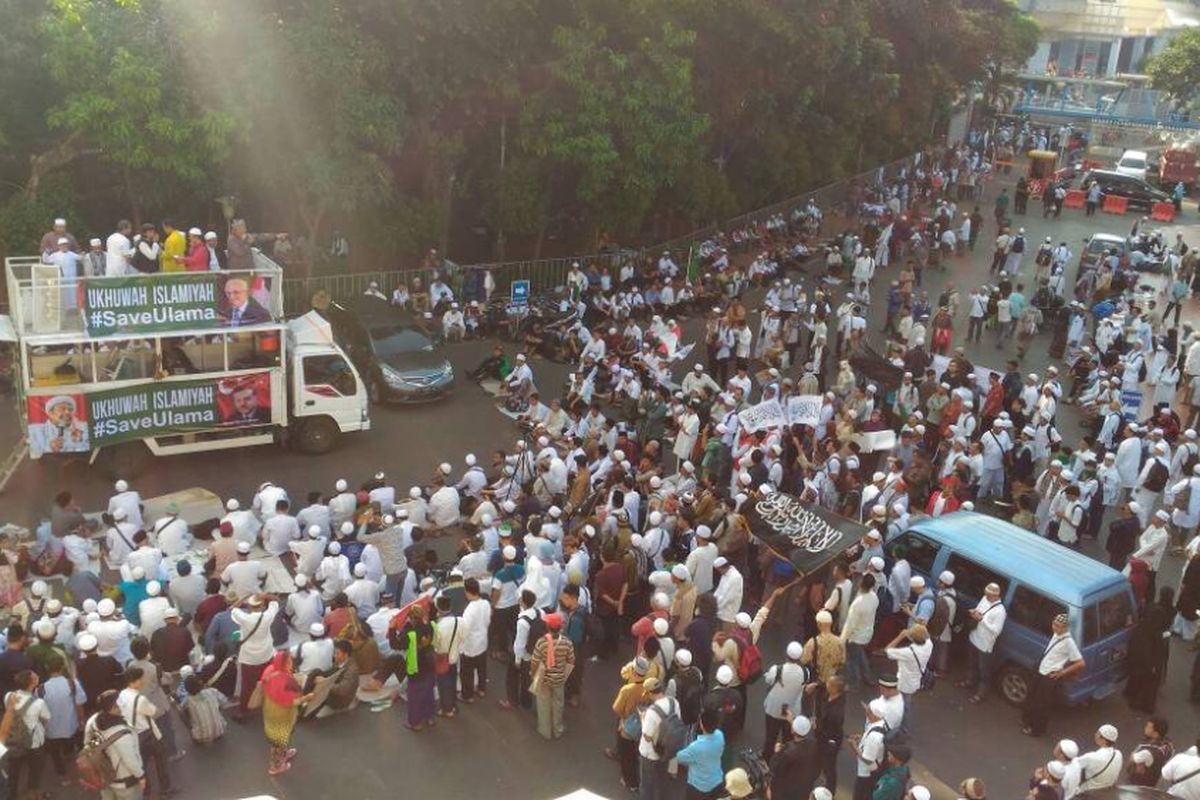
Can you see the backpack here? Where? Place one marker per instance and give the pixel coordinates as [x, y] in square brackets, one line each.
[689, 689]
[95, 768]
[940, 617]
[537, 629]
[20, 735]
[672, 733]
[1156, 478]
[1018, 244]
[757, 769]
[750, 667]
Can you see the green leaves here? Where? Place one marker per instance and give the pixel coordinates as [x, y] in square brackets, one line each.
[1176, 70]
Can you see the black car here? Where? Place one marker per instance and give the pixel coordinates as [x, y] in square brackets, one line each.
[1136, 190]
[396, 355]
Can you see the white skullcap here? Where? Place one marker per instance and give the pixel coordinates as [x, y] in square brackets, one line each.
[795, 650]
[967, 506]
[314, 531]
[121, 486]
[947, 577]
[725, 675]
[470, 459]
[346, 528]
[878, 707]
[379, 475]
[414, 492]
[916, 582]
[661, 626]
[824, 617]
[703, 532]
[876, 563]
[54, 606]
[243, 547]
[721, 561]
[154, 588]
[445, 468]
[821, 793]
[680, 572]
[509, 506]
[1068, 748]
[509, 552]
[316, 629]
[655, 518]
[1163, 515]
[743, 619]
[301, 580]
[802, 727]
[1056, 770]
[87, 642]
[38, 588]
[60, 222]
[89, 606]
[195, 232]
[660, 601]
[230, 505]
[401, 513]
[683, 657]
[44, 629]
[919, 793]
[137, 573]
[636, 539]
[486, 520]
[341, 485]
[589, 531]
[555, 512]
[106, 607]
[1135, 506]
[334, 549]
[360, 570]
[1108, 733]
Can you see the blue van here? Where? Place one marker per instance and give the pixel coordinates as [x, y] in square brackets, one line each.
[1038, 580]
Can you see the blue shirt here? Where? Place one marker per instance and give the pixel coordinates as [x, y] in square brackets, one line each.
[134, 593]
[1016, 302]
[703, 760]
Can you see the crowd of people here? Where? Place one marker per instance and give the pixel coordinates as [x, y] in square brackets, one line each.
[614, 533]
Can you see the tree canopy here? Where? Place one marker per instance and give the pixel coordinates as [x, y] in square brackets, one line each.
[1176, 70]
[403, 122]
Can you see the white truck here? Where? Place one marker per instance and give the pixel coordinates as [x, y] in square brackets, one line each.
[117, 368]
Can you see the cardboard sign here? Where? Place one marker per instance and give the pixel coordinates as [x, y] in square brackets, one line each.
[804, 409]
[768, 414]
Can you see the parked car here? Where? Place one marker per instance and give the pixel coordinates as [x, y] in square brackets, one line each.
[1136, 190]
[1134, 163]
[397, 356]
[1096, 246]
[1039, 579]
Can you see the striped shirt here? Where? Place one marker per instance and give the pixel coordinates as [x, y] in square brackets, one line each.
[564, 659]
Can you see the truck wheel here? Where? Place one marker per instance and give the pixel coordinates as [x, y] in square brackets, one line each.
[126, 460]
[317, 435]
[1016, 683]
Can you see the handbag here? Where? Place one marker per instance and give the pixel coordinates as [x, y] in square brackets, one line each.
[441, 661]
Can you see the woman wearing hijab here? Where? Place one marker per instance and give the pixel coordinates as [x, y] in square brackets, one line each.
[282, 698]
[416, 642]
[1148, 650]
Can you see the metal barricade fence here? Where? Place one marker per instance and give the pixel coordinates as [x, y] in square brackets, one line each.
[548, 273]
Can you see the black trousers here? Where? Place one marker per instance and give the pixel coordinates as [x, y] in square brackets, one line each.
[1040, 703]
[472, 672]
[828, 753]
[517, 684]
[863, 787]
[153, 752]
[612, 635]
[774, 730]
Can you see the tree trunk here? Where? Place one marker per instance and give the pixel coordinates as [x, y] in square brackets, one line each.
[62, 153]
[135, 206]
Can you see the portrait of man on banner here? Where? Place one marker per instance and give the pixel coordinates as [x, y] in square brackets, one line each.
[244, 400]
[239, 308]
[58, 424]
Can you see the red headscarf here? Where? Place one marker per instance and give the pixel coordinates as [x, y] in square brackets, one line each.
[277, 681]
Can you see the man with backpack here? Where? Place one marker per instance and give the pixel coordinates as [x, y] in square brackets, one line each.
[942, 624]
[23, 732]
[663, 736]
[110, 760]
[529, 627]
[685, 682]
[869, 750]
[786, 683]
[738, 648]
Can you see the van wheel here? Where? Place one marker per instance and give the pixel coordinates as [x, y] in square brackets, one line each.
[317, 435]
[1016, 684]
[126, 460]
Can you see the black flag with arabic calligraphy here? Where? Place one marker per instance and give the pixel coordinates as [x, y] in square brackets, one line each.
[807, 534]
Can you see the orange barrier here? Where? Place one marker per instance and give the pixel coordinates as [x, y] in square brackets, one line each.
[1114, 204]
[1076, 198]
[1163, 212]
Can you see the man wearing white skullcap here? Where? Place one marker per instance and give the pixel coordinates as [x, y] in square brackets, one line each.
[342, 505]
[246, 575]
[362, 592]
[304, 607]
[728, 593]
[112, 633]
[1101, 768]
[314, 657]
[1152, 546]
[152, 610]
[700, 560]
[129, 500]
[989, 616]
[245, 524]
[416, 508]
[787, 681]
[871, 750]
[333, 573]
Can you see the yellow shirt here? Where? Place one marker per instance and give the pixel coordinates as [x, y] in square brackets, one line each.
[174, 245]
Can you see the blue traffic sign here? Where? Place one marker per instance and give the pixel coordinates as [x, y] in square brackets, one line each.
[520, 293]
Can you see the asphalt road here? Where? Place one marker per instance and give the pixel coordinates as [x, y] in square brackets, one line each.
[489, 752]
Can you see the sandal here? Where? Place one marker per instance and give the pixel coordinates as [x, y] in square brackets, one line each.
[279, 769]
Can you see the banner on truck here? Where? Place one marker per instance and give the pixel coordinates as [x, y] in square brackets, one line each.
[175, 301]
[79, 423]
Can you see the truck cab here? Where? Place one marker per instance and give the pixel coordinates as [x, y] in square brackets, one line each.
[327, 392]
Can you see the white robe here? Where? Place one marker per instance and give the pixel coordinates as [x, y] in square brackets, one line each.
[1129, 459]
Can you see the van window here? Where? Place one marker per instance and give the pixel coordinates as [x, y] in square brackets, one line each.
[920, 552]
[1033, 610]
[1111, 615]
[970, 578]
